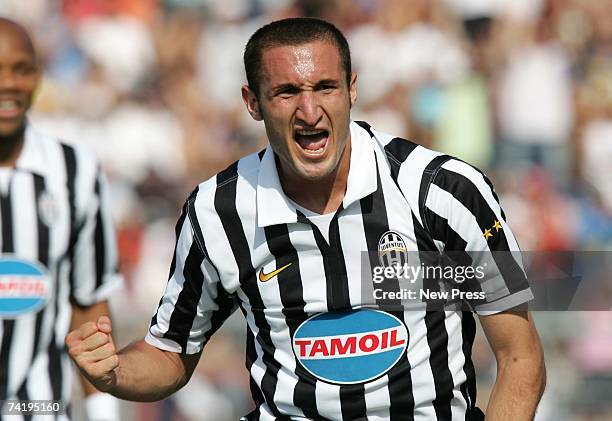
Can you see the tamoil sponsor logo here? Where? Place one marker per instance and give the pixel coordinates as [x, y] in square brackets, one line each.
[350, 347]
[24, 287]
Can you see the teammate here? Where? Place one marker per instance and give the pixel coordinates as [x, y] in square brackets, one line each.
[281, 235]
[57, 259]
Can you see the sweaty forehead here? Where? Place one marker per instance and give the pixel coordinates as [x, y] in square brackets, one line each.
[308, 62]
[304, 61]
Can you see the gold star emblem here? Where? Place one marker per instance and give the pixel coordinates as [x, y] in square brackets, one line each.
[487, 234]
[497, 226]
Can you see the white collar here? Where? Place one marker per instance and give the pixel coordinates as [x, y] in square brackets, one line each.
[32, 155]
[273, 206]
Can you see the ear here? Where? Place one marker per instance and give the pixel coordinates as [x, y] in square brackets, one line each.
[353, 89]
[251, 102]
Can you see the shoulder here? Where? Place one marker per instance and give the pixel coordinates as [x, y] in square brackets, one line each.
[403, 153]
[458, 176]
[427, 164]
[83, 157]
[246, 169]
[459, 185]
[56, 151]
[59, 162]
[418, 171]
[238, 180]
[46, 141]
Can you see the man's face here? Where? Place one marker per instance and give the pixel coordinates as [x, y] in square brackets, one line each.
[305, 104]
[18, 79]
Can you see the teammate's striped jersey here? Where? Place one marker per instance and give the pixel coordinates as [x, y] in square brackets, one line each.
[313, 350]
[57, 250]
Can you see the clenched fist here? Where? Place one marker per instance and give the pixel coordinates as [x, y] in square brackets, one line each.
[92, 349]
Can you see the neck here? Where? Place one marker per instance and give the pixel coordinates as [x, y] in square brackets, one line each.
[10, 147]
[323, 195]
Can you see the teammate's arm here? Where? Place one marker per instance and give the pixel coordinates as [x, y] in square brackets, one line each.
[139, 372]
[521, 373]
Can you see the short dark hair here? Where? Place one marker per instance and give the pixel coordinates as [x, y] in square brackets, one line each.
[292, 31]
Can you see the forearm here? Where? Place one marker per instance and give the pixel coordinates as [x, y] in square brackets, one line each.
[518, 388]
[147, 374]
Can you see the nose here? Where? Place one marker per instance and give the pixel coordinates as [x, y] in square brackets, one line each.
[7, 80]
[309, 111]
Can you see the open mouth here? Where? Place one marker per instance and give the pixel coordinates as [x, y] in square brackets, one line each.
[313, 142]
[9, 108]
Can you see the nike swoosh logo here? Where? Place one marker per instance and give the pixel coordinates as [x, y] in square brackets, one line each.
[265, 277]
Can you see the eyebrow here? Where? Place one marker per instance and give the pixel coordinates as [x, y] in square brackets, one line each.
[327, 82]
[290, 86]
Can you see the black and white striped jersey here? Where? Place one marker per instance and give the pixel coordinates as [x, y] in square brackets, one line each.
[57, 250]
[314, 349]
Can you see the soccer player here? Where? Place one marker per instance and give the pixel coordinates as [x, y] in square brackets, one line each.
[58, 262]
[281, 235]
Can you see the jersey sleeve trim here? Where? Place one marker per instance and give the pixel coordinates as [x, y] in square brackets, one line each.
[163, 343]
[505, 303]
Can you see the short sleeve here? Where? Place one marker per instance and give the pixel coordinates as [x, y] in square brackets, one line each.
[463, 214]
[93, 255]
[194, 304]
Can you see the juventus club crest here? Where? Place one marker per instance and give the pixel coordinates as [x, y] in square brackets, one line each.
[48, 208]
[392, 250]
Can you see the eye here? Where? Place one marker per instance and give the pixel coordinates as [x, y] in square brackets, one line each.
[24, 69]
[287, 92]
[326, 88]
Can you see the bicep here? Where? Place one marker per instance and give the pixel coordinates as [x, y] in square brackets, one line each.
[189, 362]
[511, 333]
[183, 365]
[173, 367]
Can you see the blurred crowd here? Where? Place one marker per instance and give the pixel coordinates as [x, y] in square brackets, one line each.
[521, 89]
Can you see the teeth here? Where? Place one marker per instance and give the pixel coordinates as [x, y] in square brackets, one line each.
[309, 132]
[315, 151]
[7, 104]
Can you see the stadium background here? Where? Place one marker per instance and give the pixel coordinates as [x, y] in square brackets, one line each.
[522, 89]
